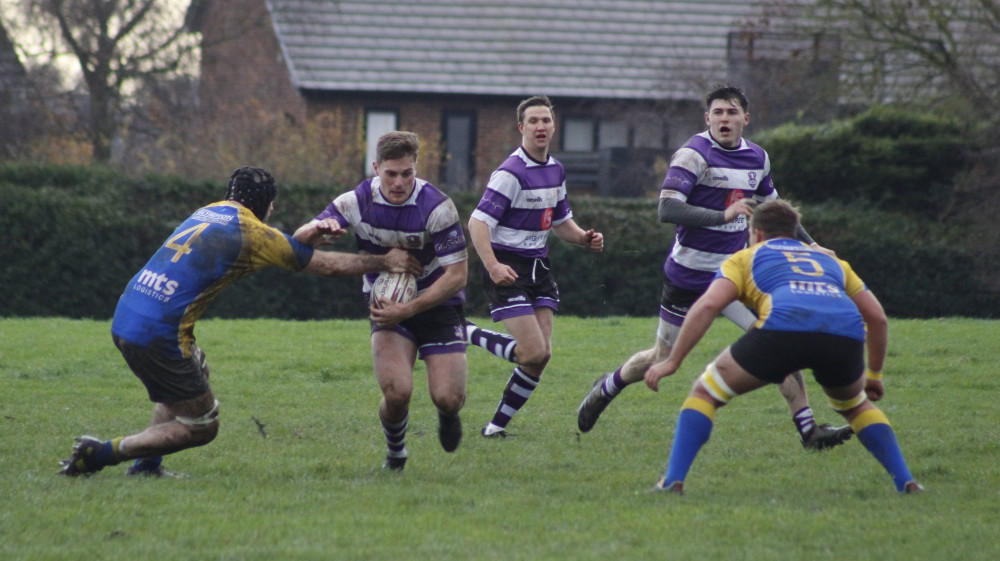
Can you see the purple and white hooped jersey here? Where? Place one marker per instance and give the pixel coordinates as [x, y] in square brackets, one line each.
[704, 174]
[427, 225]
[524, 199]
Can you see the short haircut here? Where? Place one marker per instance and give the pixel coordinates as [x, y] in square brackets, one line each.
[535, 100]
[397, 145]
[777, 219]
[728, 92]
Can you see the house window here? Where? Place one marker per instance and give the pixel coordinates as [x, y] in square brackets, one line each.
[649, 134]
[578, 134]
[458, 167]
[588, 134]
[377, 123]
[612, 134]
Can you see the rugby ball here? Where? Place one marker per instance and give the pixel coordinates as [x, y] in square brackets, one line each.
[397, 287]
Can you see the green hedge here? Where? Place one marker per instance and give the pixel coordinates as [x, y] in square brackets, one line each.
[895, 159]
[915, 267]
[74, 236]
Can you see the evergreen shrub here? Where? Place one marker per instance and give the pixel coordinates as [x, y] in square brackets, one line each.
[897, 160]
[74, 236]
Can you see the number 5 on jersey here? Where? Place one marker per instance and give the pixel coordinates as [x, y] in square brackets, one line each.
[795, 257]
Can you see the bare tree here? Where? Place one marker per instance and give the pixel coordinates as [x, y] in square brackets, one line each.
[902, 50]
[14, 86]
[115, 43]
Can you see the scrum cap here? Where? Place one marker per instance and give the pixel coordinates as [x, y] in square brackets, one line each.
[253, 188]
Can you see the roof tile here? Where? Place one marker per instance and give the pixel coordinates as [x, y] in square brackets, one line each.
[590, 48]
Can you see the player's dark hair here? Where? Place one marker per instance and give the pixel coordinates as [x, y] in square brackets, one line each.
[728, 92]
[535, 100]
[253, 188]
[777, 219]
[397, 145]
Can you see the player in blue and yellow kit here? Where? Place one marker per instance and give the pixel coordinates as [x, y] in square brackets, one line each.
[813, 313]
[153, 326]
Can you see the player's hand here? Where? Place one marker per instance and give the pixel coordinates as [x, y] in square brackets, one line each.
[742, 207]
[331, 229]
[659, 370]
[594, 241]
[315, 234]
[501, 274]
[874, 389]
[388, 313]
[822, 249]
[398, 260]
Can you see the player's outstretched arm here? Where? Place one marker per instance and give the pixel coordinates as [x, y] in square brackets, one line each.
[338, 264]
[318, 232]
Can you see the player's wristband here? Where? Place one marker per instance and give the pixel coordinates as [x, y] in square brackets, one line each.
[872, 375]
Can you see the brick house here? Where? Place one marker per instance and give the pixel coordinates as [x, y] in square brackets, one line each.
[626, 76]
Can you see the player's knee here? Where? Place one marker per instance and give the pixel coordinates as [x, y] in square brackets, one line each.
[851, 406]
[537, 359]
[205, 434]
[450, 403]
[533, 354]
[201, 429]
[666, 335]
[712, 385]
[397, 396]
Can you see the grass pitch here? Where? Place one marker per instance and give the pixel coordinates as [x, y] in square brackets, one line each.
[295, 471]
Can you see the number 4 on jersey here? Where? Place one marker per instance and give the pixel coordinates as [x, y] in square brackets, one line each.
[181, 243]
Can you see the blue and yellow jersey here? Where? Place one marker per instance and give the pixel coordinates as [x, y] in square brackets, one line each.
[214, 247]
[794, 287]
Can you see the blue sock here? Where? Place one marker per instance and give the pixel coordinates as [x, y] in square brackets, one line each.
[693, 429]
[880, 440]
[106, 454]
